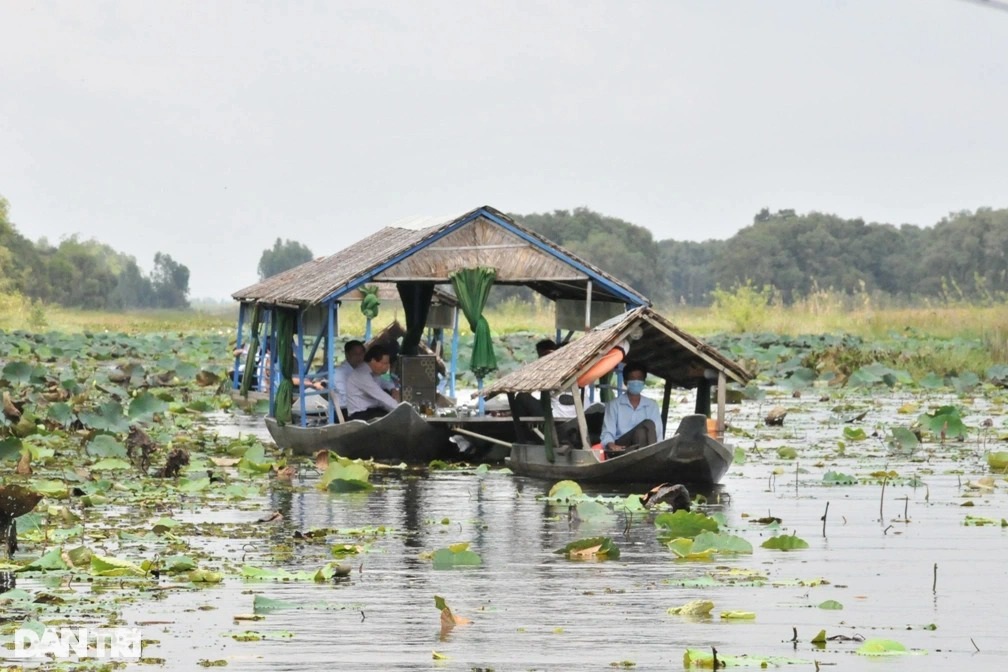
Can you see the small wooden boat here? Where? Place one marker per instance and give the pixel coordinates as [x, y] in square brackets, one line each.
[688, 456]
[693, 454]
[401, 436]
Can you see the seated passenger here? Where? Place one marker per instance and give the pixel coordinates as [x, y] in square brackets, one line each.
[365, 398]
[631, 420]
[353, 353]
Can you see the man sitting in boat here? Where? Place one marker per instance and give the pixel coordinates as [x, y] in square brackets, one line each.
[365, 397]
[631, 420]
[353, 353]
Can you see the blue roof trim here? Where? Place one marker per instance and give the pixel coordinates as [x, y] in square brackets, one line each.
[615, 289]
[350, 286]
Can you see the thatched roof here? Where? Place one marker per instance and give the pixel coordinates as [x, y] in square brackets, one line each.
[666, 351]
[481, 237]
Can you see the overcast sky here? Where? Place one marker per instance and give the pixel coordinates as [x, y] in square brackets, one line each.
[207, 129]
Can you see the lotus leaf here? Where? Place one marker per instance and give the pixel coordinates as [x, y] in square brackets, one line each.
[694, 608]
[932, 381]
[854, 434]
[946, 419]
[785, 542]
[564, 491]
[596, 548]
[721, 543]
[50, 562]
[830, 604]
[61, 414]
[787, 453]
[684, 524]
[191, 485]
[683, 549]
[107, 566]
[456, 555]
[343, 475]
[884, 647]
[10, 448]
[998, 461]
[904, 440]
[738, 615]
[145, 405]
[18, 373]
[104, 445]
[108, 417]
[590, 510]
[739, 457]
[838, 478]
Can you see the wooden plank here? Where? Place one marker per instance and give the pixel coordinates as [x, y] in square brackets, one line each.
[582, 422]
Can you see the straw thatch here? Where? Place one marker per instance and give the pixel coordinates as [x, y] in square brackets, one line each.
[666, 351]
[430, 254]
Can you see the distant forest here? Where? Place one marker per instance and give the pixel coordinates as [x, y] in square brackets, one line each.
[86, 274]
[964, 257]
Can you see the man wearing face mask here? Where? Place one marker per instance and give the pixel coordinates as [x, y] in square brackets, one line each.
[631, 420]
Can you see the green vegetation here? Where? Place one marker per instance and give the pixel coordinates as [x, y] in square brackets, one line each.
[284, 255]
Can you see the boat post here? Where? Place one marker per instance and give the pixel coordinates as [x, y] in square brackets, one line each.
[330, 369]
[235, 383]
[582, 421]
[301, 367]
[454, 357]
[722, 398]
[666, 399]
[549, 428]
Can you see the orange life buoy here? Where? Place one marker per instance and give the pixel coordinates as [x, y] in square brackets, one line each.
[601, 367]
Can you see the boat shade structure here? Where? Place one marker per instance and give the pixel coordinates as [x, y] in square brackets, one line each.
[422, 263]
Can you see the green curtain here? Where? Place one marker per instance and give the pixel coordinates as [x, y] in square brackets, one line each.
[416, 299]
[369, 304]
[472, 287]
[250, 358]
[285, 356]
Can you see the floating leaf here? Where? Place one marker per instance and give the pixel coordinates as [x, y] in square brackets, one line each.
[838, 478]
[145, 405]
[564, 491]
[785, 543]
[738, 615]
[106, 566]
[720, 542]
[10, 448]
[110, 464]
[820, 638]
[998, 461]
[684, 524]
[883, 647]
[343, 475]
[830, 604]
[104, 445]
[694, 608]
[854, 433]
[597, 548]
[787, 453]
[456, 555]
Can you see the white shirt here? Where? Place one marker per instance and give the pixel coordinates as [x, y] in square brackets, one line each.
[340, 375]
[363, 391]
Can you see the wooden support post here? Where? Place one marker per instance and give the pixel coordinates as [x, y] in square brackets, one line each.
[666, 402]
[582, 421]
[549, 428]
[722, 398]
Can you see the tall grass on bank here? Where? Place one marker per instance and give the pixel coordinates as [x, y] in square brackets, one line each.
[742, 312]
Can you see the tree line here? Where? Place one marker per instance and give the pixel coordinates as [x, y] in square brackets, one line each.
[964, 257]
[86, 274]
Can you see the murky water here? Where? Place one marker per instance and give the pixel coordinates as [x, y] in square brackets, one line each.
[534, 610]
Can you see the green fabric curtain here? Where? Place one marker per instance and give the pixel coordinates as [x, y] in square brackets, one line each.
[285, 356]
[472, 287]
[416, 299]
[369, 304]
[250, 358]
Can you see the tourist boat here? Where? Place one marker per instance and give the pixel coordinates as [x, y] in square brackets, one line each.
[302, 306]
[693, 453]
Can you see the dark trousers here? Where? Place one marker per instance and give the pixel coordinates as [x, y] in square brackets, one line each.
[369, 413]
[643, 433]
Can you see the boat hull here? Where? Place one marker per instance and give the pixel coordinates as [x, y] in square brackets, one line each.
[400, 436]
[689, 456]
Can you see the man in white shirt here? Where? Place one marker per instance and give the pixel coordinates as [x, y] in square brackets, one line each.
[353, 352]
[631, 420]
[365, 397]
